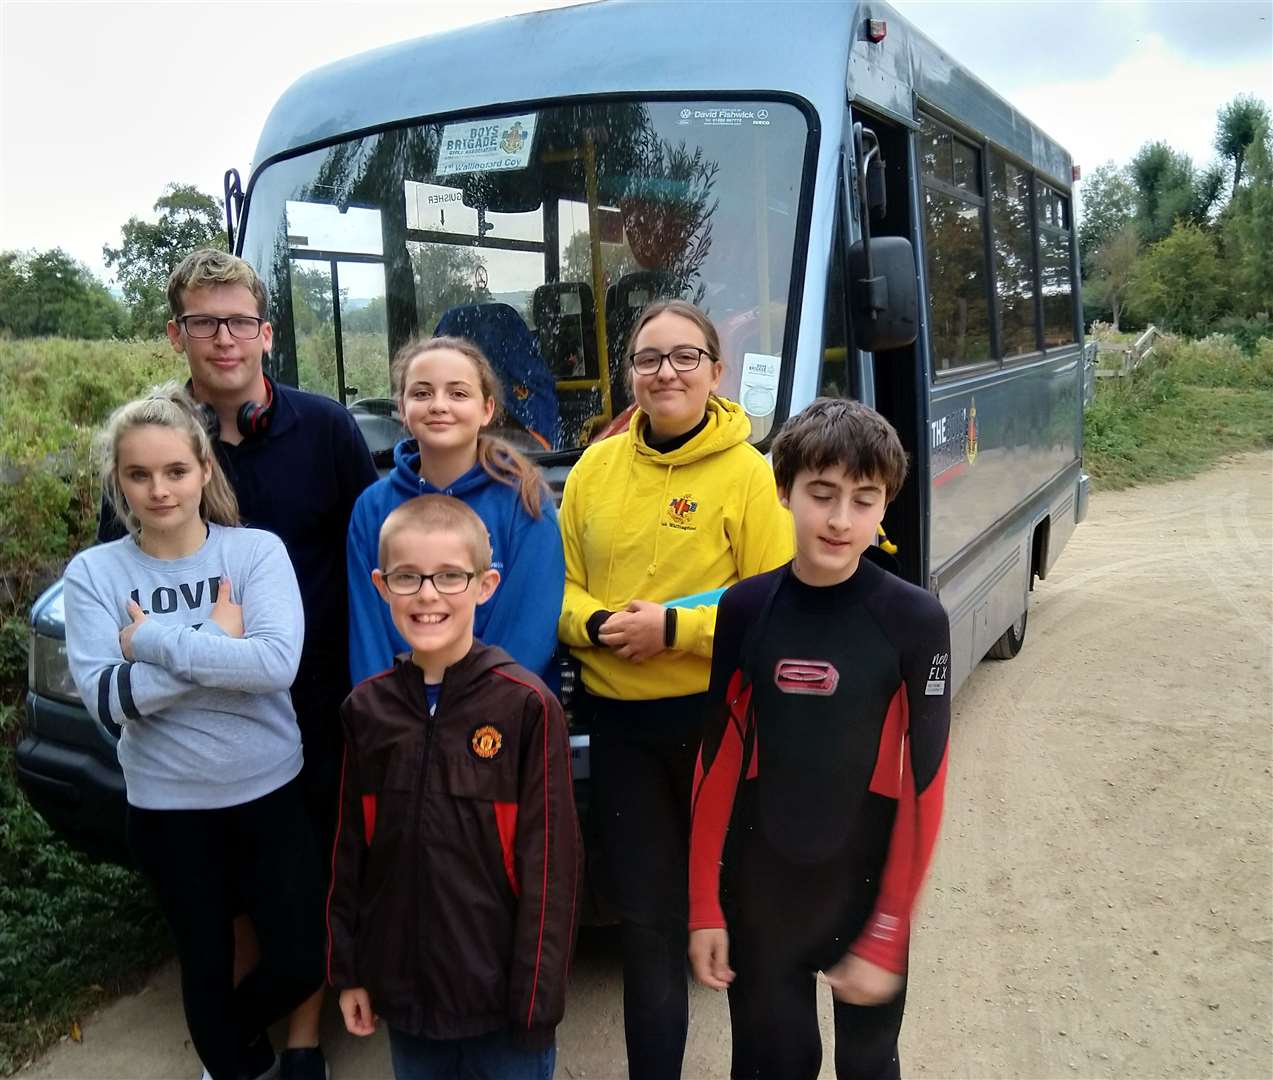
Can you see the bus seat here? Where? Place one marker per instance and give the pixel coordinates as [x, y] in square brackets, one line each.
[530, 391]
[565, 320]
[377, 419]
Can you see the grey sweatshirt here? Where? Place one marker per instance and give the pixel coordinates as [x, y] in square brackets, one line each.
[207, 718]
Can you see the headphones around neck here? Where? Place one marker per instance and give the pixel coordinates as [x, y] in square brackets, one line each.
[252, 419]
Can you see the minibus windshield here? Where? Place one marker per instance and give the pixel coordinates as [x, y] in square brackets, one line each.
[540, 233]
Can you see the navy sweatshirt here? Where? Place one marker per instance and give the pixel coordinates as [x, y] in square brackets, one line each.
[300, 480]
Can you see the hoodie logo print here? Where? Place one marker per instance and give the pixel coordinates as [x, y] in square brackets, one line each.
[487, 741]
[681, 510]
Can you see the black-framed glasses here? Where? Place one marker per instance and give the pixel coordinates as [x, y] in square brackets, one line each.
[445, 582]
[243, 327]
[682, 358]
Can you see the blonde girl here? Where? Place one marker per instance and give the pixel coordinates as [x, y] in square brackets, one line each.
[186, 633]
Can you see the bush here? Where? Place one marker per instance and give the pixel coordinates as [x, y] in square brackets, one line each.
[72, 932]
[1189, 404]
[1218, 361]
[56, 392]
[1248, 333]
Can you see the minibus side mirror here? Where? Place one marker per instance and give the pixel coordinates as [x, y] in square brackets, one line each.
[883, 293]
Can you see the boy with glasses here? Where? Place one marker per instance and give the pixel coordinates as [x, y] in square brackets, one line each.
[297, 463]
[453, 904]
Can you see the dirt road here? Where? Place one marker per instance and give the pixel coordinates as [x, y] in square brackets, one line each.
[1102, 899]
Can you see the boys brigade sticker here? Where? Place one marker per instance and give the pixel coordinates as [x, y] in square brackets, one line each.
[681, 511]
[487, 741]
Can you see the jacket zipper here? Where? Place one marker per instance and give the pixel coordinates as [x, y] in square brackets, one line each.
[422, 878]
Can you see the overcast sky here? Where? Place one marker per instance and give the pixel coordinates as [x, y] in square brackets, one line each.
[102, 104]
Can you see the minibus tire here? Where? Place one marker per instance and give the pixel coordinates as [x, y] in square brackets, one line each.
[1010, 643]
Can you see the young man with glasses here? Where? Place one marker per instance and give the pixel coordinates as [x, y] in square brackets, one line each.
[297, 462]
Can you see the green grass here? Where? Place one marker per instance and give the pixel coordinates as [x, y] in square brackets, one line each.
[1191, 404]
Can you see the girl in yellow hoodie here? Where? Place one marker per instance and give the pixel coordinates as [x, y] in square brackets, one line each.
[678, 505]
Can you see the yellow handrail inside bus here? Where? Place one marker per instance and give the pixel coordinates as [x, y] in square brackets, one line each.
[598, 273]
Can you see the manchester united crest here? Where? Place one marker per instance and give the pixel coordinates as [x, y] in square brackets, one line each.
[487, 741]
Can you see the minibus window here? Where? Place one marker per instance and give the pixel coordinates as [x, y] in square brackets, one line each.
[1054, 267]
[542, 236]
[337, 293]
[954, 244]
[1014, 255]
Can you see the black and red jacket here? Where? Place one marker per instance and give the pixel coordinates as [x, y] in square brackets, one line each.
[457, 858]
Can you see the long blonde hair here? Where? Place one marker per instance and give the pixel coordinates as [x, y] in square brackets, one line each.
[167, 406]
[498, 460]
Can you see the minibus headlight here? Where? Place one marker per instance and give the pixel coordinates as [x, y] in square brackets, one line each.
[48, 672]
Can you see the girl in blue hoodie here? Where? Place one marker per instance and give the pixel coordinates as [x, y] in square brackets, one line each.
[447, 393]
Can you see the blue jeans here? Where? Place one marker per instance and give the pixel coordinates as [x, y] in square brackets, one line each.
[485, 1057]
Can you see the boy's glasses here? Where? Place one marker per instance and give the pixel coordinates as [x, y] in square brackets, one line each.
[445, 582]
[682, 358]
[243, 327]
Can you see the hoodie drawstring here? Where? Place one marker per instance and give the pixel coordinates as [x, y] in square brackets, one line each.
[658, 521]
[623, 505]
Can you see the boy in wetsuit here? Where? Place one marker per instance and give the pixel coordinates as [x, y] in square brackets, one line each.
[819, 787]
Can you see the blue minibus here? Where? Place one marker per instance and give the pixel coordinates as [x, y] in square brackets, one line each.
[857, 212]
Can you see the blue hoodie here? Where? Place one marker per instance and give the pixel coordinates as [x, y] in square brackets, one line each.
[521, 617]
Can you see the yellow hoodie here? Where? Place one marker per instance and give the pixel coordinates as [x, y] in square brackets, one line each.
[642, 525]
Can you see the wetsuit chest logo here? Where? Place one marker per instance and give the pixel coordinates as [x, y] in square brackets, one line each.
[817, 677]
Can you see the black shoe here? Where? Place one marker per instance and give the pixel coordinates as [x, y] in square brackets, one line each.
[305, 1063]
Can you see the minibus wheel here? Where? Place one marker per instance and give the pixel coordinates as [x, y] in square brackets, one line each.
[1010, 643]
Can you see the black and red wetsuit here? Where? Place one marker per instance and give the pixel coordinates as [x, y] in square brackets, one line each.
[817, 803]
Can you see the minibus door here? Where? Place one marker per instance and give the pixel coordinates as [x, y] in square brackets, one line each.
[891, 377]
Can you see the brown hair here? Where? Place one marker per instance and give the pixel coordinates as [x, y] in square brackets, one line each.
[499, 460]
[836, 431]
[435, 514]
[685, 310]
[206, 268]
[167, 406]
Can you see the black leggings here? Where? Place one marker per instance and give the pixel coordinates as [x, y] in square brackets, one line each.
[787, 921]
[208, 866]
[642, 760]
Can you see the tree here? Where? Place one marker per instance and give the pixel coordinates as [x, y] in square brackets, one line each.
[1108, 205]
[1248, 231]
[188, 219]
[312, 297]
[1115, 267]
[1237, 127]
[616, 260]
[1170, 190]
[49, 294]
[445, 277]
[1180, 282]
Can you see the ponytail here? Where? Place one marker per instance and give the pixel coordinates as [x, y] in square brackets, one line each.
[501, 462]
